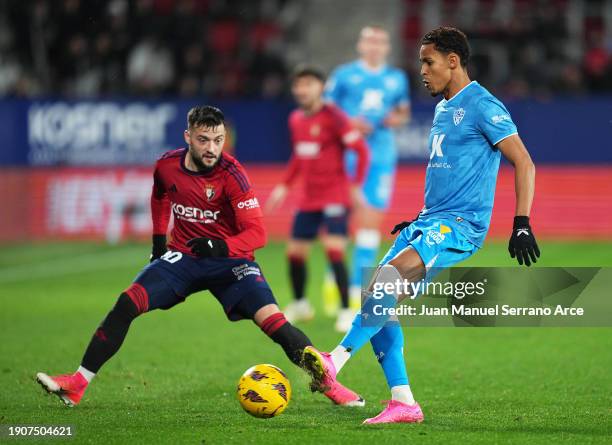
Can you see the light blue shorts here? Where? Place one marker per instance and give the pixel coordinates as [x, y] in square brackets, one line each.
[438, 242]
[378, 186]
[379, 181]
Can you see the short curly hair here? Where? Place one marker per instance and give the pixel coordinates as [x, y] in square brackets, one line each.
[447, 39]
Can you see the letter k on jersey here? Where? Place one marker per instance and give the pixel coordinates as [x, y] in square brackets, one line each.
[436, 145]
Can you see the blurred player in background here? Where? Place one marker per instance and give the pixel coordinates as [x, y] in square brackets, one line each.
[471, 130]
[376, 97]
[218, 225]
[320, 135]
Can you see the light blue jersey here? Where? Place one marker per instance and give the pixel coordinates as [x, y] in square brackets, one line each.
[359, 91]
[463, 163]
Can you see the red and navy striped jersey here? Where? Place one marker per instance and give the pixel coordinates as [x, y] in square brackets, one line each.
[219, 204]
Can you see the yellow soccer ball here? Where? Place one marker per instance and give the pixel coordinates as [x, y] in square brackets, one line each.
[264, 391]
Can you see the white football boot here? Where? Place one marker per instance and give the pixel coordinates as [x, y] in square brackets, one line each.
[299, 310]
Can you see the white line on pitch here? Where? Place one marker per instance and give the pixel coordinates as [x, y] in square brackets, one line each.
[68, 265]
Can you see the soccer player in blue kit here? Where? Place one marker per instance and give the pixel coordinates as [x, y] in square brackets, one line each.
[376, 96]
[471, 130]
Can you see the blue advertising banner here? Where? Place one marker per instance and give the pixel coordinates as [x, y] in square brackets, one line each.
[129, 132]
[135, 132]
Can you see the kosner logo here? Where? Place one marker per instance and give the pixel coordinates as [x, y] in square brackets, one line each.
[97, 132]
[194, 214]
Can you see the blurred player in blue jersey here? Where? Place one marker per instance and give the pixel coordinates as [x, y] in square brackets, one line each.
[471, 130]
[375, 96]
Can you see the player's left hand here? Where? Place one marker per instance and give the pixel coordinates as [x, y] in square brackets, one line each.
[522, 244]
[208, 248]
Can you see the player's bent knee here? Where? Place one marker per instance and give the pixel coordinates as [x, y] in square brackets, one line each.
[409, 264]
[135, 299]
[124, 311]
[264, 313]
[271, 323]
[335, 242]
[334, 255]
[298, 249]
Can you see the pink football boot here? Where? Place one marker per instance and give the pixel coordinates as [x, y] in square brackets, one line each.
[323, 372]
[68, 387]
[398, 412]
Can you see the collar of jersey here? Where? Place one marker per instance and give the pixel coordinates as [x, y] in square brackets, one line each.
[364, 68]
[461, 91]
[310, 116]
[189, 172]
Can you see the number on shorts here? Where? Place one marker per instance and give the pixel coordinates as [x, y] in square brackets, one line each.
[172, 257]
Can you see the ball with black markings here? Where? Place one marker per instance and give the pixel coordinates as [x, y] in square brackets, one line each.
[264, 391]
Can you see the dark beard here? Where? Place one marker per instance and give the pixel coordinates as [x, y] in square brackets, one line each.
[200, 165]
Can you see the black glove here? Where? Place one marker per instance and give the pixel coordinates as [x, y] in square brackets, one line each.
[401, 226]
[207, 248]
[159, 247]
[522, 242]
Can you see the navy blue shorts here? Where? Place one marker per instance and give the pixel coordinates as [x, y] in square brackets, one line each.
[334, 219]
[238, 284]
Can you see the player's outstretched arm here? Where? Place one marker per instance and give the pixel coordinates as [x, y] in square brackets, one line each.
[522, 243]
[279, 192]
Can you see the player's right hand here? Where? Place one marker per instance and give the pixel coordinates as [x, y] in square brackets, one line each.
[364, 127]
[159, 247]
[208, 248]
[276, 197]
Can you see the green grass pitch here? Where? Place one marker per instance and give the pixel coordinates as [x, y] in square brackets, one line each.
[174, 379]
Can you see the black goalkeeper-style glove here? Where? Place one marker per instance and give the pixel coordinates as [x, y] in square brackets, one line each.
[401, 226]
[522, 244]
[208, 248]
[159, 247]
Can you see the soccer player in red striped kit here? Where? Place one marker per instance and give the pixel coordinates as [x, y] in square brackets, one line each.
[217, 226]
[320, 134]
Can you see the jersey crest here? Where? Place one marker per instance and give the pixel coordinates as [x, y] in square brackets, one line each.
[209, 191]
[458, 116]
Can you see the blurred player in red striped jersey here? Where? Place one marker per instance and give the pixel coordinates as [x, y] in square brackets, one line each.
[217, 226]
[320, 135]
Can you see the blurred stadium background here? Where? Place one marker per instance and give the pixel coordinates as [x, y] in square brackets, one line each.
[92, 92]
